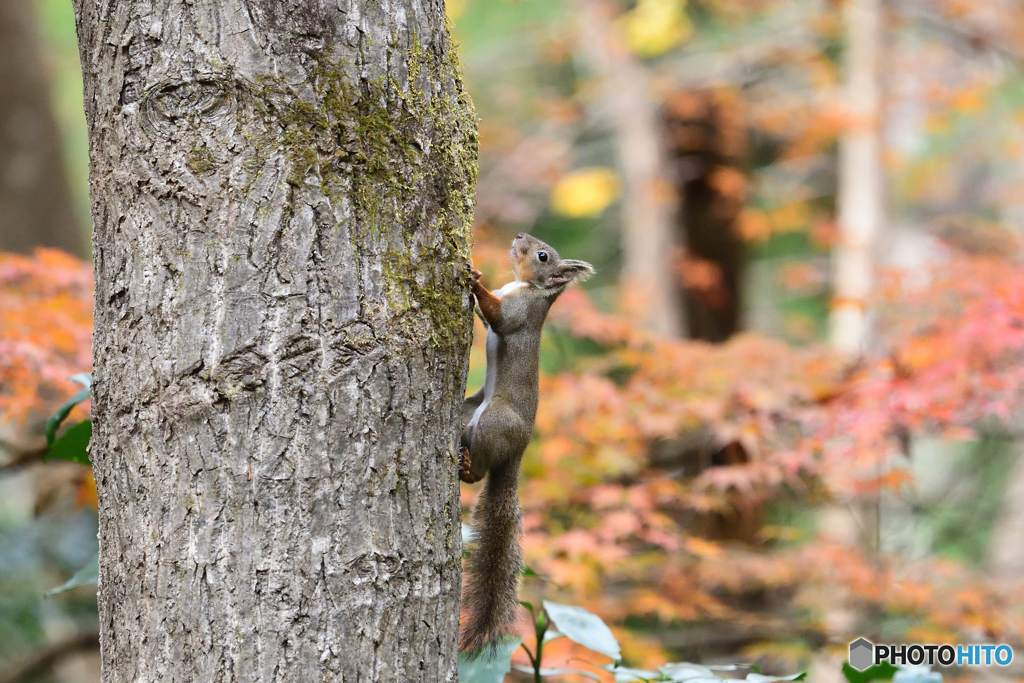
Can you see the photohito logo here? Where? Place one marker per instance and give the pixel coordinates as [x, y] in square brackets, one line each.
[864, 653]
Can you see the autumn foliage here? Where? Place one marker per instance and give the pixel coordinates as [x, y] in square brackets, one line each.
[45, 329]
[686, 492]
[649, 486]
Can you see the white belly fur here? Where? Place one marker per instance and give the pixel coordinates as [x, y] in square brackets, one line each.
[490, 379]
[510, 287]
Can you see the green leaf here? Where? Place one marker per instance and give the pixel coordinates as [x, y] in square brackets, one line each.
[552, 635]
[529, 572]
[54, 421]
[86, 576]
[557, 672]
[83, 378]
[684, 671]
[627, 675]
[917, 674]
[527, 605]
[488, 667]
[72, 445]
[580, 626]
[880, 672]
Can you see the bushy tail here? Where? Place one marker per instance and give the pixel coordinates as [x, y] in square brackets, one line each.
[491, 591]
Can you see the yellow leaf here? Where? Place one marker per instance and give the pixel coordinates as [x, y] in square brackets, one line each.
[654, 27]
[585, 193]
[455, 8]
[702, 548]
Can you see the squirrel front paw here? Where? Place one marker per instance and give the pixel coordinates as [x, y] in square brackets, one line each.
[474, 274]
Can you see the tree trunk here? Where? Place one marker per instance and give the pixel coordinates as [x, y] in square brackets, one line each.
[282, 196]
[649, 241]
[1006, 552]
[860, 180]
[707, 136]
[36, 205]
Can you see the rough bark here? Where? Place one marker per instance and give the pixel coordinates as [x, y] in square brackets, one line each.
[860, 180]
[282, 194]
[36, 205]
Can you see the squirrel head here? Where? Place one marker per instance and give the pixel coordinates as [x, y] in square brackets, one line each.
[536, 263]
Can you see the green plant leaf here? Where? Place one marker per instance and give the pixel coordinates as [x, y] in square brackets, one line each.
[684, 671]
[488, 667]
[83, 378]
[580, 626]
[879, 672]
[72, 445]
[557, 672]
[527, 605]
[917, 674]
[86, 576]
[529, 572]
[551, 634]
[54, 421]
[626, 675]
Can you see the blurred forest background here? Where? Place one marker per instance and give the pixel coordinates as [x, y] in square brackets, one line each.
[785, 414]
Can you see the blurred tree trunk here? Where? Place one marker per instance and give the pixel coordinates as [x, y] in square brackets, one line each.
[282, 195]
[649, 242]
[1006, 551]
[709, 147]
[36, 204]
[860, 180]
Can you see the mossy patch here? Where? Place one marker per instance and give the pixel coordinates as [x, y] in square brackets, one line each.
[200, 160]
[404, 161]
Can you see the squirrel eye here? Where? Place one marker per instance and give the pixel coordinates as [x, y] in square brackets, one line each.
[543, 256]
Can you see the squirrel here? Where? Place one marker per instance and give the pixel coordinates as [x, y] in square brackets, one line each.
[497, 423]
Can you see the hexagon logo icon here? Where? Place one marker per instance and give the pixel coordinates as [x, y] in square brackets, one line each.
[862, 654]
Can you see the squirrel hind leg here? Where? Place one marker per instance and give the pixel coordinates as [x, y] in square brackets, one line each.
[466, 467]
[474, 455]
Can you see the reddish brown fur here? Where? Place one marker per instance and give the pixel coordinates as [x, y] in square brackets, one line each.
[497, 423]
[490, 305]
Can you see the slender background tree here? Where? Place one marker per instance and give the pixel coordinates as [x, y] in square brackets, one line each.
[648, 204]
[860, 181]
[36, 203]
[282, 195]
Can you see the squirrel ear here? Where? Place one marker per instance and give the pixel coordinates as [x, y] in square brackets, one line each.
[569, 270]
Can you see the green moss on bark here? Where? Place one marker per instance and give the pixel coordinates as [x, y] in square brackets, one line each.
[403, 160]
